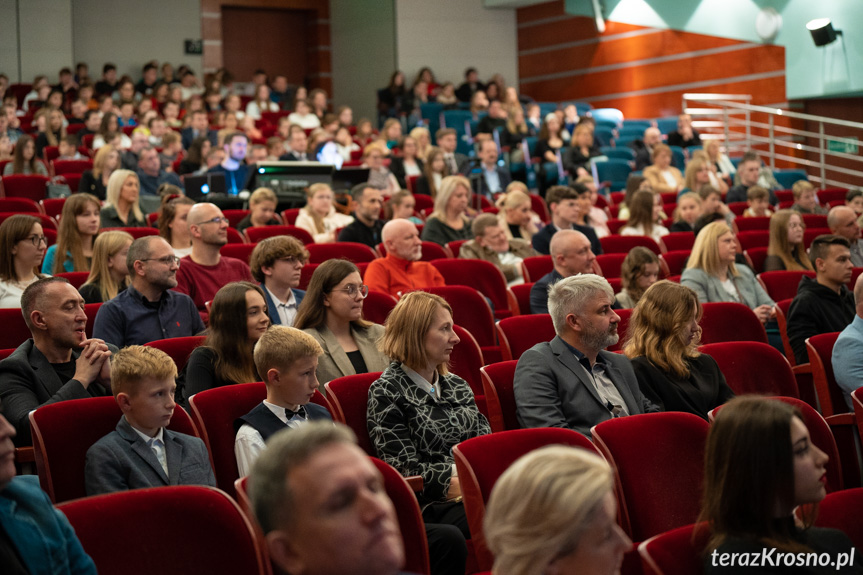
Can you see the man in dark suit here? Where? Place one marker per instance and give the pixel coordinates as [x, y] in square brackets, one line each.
[455, 162]
[276, 264]
[571, 255]
[471, 84]
[297, 145]
[140, 452]
[200, 127]
[494, 178]
[572, 381]
[59, 362]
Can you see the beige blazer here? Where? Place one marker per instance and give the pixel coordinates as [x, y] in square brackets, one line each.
[335, 363]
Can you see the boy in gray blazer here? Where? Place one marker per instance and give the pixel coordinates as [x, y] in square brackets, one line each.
[141, 452]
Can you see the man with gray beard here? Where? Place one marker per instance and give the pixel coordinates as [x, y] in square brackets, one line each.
[572, 381]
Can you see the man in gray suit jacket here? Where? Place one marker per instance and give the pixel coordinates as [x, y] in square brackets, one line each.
[572, 381]
[141, 452]
[59, 363]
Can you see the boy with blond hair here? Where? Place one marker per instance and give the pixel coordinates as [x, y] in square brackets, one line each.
[805, 200]
[287, 359]
[141, 452]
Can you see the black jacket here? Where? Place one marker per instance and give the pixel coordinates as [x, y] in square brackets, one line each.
[817, 309]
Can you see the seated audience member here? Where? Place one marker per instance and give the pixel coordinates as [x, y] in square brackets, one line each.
[152, 175]
[141, 451]
[345, 144]
[108, 274]
[805, 200]
[639, 271]
[276, 264]
[292, 485]
[434, 171]
[195, 160]
[95, 181]
[319, 216]
[588, 213]
[79, 224]
[842, 221]
[854, 200]
[261, 103]
[491, 244]
[456, 163]
[644, 148]
[760, 466]
[109, 131]
[68, 149]
[37, 537]
[748, 175]
[848, 351]
[22, 247]
[758, 200]
[408, 164]
[380, 176]
[262, 206]
[634, 184]
[401, 270]
[172, 149]
[366, 227]
[287, 358]
[238, 319]
[449, 221]
[685, 135]
[60, 362]
[332, 313]
[237, 173]
[823, 304]
[699, 172]
[662, 342]
[494, 178]
[173, 224]
[401, 206]
[571, 255]
[712, 273]
[25, 161]
[724, 167]
[549, 144]
[297, 143]
[469, 87]
[663, 177]
[205, 270]
[576, 160]
[122, 209]
[148, 309]
[199, 127]
[516, 218]
[572, 381]
[554, 511]
[687, 213]
[563, 203]
[785, 250]
[496, 118]
[423, 140]
[130, 157]
[645, 211]
[514, 132]
[391, 133]
[303, 115]
[712, 204]
[418, 410]
[53, 133]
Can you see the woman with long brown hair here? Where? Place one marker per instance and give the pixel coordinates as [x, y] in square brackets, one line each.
[785, 250]
[22, 247]
[79, 225]
[24, 159]
[434, 171]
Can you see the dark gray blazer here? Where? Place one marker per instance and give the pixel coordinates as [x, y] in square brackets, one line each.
[552, 389]
[122, 460]
[28, 381]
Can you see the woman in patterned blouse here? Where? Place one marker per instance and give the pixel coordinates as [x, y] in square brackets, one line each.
[418, 410]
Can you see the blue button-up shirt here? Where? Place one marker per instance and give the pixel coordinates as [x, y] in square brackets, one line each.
[129, 319]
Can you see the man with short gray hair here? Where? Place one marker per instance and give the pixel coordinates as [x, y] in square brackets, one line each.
[572, 381]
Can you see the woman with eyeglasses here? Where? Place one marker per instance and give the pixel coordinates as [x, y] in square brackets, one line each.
[238, 319]
[108, 274]
[332, 313]
[22, 247]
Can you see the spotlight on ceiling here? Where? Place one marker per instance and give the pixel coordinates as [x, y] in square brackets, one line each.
[822, 31]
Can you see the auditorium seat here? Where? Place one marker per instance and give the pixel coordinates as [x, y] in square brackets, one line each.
[497, 384]
[471, 311]
[752, 367]
[483, 276]
[258, 233]
[520, 333]
[179, 348]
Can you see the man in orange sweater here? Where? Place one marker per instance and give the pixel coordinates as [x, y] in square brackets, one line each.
[401, 271]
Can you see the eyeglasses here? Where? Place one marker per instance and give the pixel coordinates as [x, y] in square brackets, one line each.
[353, 289]
[216, 220]
[167, 260]
[37, 240]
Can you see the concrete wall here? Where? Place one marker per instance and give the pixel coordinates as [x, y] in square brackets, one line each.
[45, 44]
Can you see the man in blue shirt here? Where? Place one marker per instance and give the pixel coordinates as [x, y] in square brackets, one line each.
[493, 179]
[235, 170]
[148, 309]
[151, 174]
[848, 350]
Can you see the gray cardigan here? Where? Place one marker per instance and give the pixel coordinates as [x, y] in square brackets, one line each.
[709, 288]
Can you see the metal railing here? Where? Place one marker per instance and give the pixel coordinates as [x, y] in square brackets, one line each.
[826, 148]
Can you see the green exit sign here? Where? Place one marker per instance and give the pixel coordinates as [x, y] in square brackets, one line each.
[844, 147]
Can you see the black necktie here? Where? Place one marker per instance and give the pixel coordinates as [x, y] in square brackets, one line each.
[290, 414]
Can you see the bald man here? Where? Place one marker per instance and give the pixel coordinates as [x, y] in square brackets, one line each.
[848, 350]
[842, 221]
[401, 271]
[644, 148]
[571, 255]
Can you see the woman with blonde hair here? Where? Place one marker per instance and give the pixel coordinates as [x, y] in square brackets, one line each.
[408, 164]
[449, 221]
[662, 342]
[663, 177]
[686, 213]
[644, 211]
[576, 160]
[319, 216]
[514, 132]
[423, 138]
[262, 209]
[22, 248]
[434, 171]
[379, 175]
[515, 215]
[79, 225]
[785, 250]
[711, 272]
[108, 274]
[122, 209]
[553, 512]
[639, 271]
[699, 172]
[95, 181]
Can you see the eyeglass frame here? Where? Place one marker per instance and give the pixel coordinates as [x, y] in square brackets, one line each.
[36, 240]
[217, 220]
[164, 260]
[362, 289]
